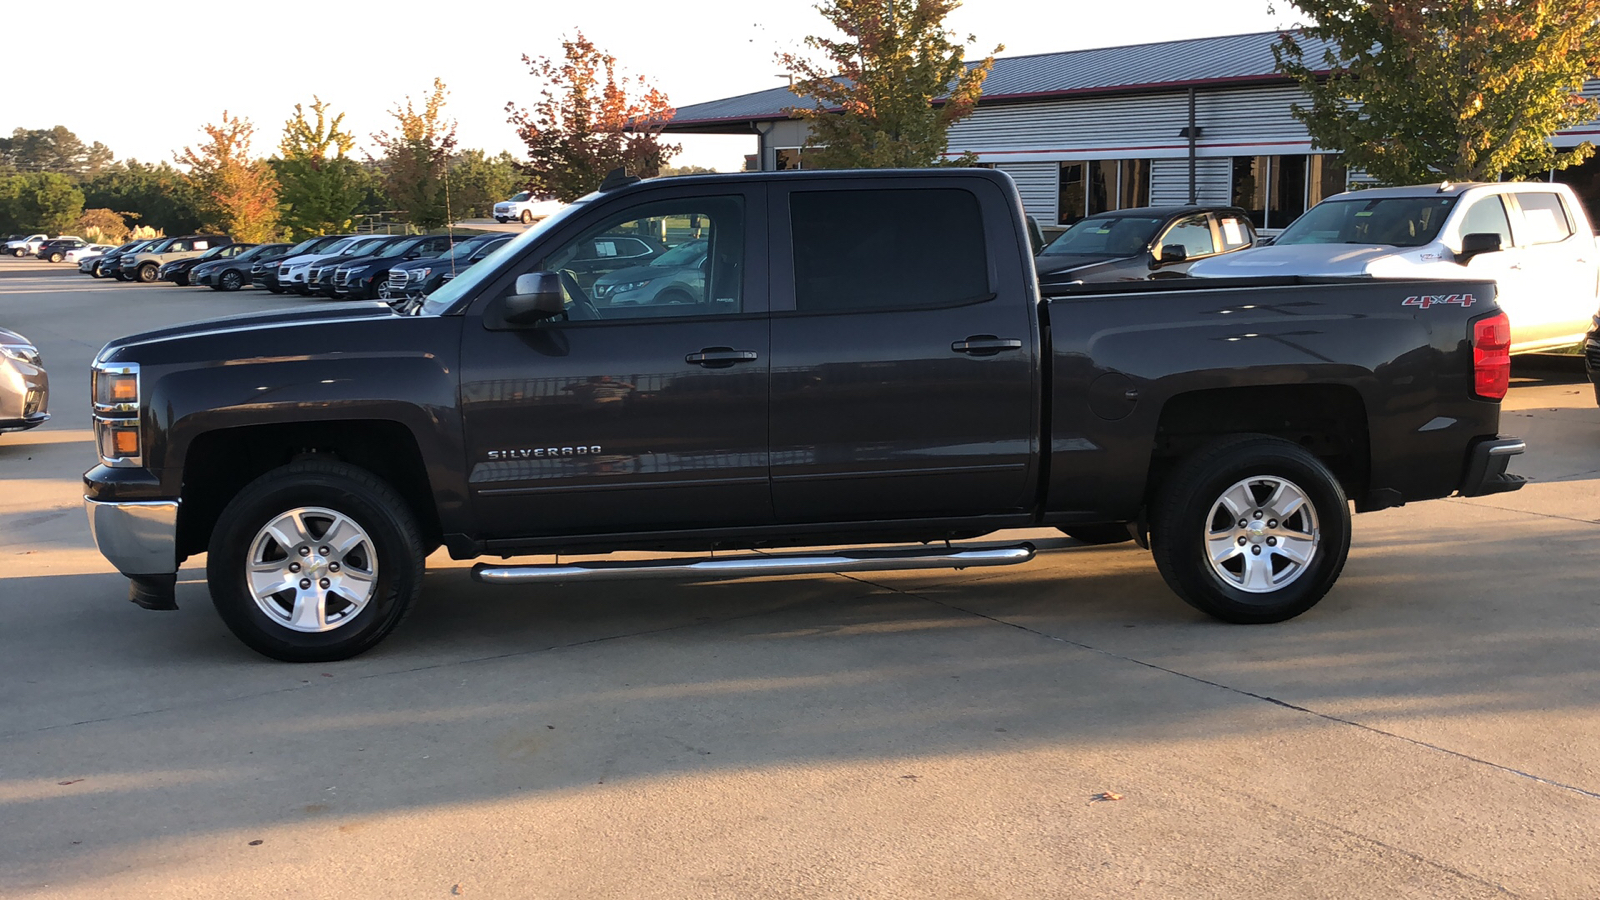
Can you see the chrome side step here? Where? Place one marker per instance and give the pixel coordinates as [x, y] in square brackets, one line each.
[749, 566]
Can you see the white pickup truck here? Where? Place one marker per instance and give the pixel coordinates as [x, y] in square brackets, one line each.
[1533, 238]
[25, 246]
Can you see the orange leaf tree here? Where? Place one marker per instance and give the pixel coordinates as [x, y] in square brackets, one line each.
[587, 121]
[237, 195]
[415, 159]
[886, 95]
[1468, 90]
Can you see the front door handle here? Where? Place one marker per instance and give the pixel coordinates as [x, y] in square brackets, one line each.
[985, 345]
[720, 357]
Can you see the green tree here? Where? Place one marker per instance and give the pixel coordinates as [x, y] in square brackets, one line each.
[1467, 90]
[53, 150]
[886, 95]
[238, 195]
[39, 201]
[478, 181]
[415, 159]
[155, 196]
[321, 188]
[587, 121]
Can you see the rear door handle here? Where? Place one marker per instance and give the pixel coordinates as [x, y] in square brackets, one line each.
[720, 357]
[985, 345]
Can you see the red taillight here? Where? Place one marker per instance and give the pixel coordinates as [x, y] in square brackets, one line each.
[1491, 357]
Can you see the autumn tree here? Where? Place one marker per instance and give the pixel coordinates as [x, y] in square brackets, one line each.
[1467, 90]
[588, 120]
[885, 95]
[237, 195]
[415, 159]
[101, 226]
[321, 188]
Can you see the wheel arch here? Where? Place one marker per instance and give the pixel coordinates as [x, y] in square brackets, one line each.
[219, 463]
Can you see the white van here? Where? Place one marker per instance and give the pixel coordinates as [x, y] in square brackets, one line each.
[1533, 238]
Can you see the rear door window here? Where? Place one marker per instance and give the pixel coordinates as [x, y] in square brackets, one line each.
[887, 249]
[1488, 216]
[1544, 217]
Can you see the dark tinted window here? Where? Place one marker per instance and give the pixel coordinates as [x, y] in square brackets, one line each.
[882, 249]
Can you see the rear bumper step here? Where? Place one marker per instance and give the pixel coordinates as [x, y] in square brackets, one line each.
[751, 566]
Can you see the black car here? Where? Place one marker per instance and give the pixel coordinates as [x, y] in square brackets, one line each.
[264, 271]
[56, 250]
[319, 276]
[178, 271]
[415, 278]
[361, 277]
[233, 273]
[110, 261]
[1142, 243]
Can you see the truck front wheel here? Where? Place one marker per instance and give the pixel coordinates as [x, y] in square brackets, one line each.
[314, 561]
[1251, 529]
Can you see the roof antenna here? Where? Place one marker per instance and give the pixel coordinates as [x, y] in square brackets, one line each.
[617, 178]
[1444, 186]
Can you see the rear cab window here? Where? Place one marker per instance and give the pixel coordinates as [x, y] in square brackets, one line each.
[866, 249]
[1544, 217]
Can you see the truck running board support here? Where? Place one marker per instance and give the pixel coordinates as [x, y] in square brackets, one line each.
[753, 566]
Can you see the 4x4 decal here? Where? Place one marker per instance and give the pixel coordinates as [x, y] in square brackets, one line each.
[1424, 301]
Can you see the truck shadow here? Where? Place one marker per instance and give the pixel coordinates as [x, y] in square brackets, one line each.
[491, 696]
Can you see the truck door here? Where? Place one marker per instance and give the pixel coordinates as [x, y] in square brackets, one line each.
[904, 351]
[1560, 267]
[1508, 267]
[635, 410]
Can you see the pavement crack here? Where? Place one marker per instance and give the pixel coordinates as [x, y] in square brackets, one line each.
[1501, 767]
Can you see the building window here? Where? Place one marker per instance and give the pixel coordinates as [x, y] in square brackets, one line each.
[791, 158]
[1276, 190]
[1088, 187]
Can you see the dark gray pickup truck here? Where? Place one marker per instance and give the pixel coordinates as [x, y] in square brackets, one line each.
[867, 359]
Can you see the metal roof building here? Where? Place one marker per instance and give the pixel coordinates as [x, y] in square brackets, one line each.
[1086, 131]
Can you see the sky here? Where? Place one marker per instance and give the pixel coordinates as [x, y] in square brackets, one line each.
[178, 72]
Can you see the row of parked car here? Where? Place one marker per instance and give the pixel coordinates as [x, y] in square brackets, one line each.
[395, 268]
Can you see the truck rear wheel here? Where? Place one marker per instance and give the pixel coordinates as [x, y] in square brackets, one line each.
[1251, 529]
[314, 561]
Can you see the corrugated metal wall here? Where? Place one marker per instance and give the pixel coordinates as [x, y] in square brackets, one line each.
[1039, 184]
[1233, 122]
[1169, 181]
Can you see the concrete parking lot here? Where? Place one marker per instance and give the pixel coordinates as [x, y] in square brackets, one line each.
[1063, 729]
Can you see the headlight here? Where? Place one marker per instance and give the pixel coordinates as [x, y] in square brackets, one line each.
[609, 290]
[23, 353]
[423, 273]
[115, 391]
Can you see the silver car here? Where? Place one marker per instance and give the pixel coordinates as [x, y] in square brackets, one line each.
[676, 276]
[24, 386]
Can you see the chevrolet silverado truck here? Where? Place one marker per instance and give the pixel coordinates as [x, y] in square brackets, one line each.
[869, 359]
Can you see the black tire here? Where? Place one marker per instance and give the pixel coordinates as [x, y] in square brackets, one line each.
[1103, 533]
[527, 217]
[230, 281]
[118, 275]
[94, 271]
[180, 280]
[275, 288]
[672, 298]
[353, 492]
[147, 273]
[1184, 516]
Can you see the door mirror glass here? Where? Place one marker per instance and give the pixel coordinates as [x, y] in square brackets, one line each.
[1173, 253]
[1477, 243]
[537, 296]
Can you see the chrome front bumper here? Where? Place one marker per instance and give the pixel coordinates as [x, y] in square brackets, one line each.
[138, 538]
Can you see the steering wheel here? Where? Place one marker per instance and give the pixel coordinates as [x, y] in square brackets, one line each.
[582, 308]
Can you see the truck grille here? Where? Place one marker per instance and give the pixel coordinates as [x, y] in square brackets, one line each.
[398, 280]
[341, 277]
[315, 275]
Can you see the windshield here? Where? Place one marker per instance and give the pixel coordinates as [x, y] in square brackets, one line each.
[396, 249]
[1105, 236]
[465, 249]
[687, 254]
[454, 290]
[522, 197]
[212, 253]
[254, 252]
[1395, 221]
[305, 246]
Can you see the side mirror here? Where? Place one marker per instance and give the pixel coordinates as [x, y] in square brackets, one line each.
[1173, 253]
[1474, 244]
[536, 297]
